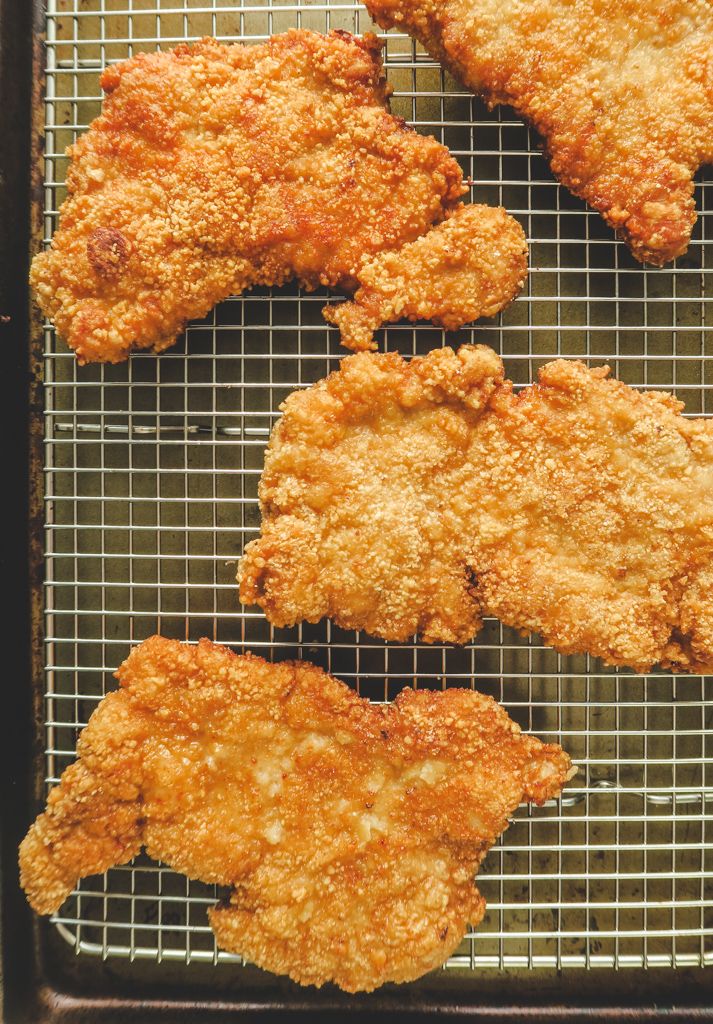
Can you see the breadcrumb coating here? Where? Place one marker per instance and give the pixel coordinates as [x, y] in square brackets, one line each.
[621, 91]
[214, 168]
[355, 498]
[415, 498]
[350, 833]
[471, 265]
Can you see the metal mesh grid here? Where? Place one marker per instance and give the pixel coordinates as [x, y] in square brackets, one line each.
[151, 478]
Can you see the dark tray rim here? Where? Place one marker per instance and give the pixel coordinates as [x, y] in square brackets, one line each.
[38, 981]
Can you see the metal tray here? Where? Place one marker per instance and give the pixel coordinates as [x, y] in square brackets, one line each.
[598, 902]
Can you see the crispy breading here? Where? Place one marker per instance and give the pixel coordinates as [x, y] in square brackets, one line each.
[214, 168]
[349, 832]
[356, 498]
[471, 265]
[415, 498]
[621, 91]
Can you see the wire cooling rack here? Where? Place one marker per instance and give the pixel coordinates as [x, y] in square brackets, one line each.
[151, 479]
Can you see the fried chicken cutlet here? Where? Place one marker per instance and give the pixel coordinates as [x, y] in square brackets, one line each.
[416, 497]
[350, 833]
[214, 168]
[620, 90]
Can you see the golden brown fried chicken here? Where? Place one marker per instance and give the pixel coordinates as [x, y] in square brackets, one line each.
[349, 832]
[405, 498]
[356, 498]
[215, 168]
[621, 90]
[595, 519]
[471, 265]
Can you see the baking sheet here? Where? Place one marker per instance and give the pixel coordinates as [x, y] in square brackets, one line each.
[151, 479]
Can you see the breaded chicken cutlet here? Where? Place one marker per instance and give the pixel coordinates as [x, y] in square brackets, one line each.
[620, 90]
[350, 833]
[416, 497]
[214, 168]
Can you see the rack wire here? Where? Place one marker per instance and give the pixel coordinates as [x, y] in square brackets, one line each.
[151, 477]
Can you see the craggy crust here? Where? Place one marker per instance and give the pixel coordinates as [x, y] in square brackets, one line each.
[621, 90]
[214, 168]
[471, 265]
[355, 497]
[350, 832]
[414, 498]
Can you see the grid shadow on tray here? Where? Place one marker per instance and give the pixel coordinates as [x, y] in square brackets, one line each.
[151, 481]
